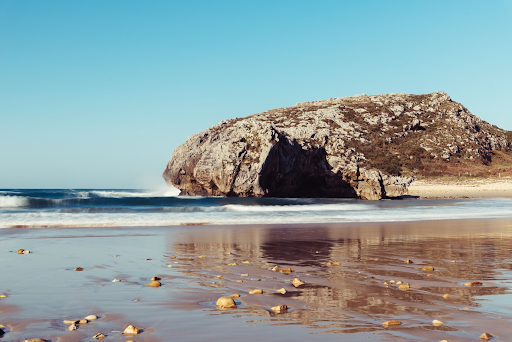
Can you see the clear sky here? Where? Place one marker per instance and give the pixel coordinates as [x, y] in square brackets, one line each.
[98, 94]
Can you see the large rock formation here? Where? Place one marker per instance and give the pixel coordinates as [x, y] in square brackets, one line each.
[358, 147]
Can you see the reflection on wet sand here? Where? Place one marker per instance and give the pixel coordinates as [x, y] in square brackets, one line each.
[353, 275]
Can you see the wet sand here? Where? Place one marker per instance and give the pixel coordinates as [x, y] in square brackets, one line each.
[346, 301]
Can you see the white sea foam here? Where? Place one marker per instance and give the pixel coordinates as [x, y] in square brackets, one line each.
[297, 208]
[170, 192]
[13, 201]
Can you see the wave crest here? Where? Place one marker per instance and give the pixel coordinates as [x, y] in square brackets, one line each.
[13, 202]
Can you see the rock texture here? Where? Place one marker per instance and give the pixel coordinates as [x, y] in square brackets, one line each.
[367, 147]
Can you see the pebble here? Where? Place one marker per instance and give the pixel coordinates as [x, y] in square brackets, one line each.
[169, 265]
[244, 275]
[70, 321]
[116, 281]
[246, 262]
[297, 282]
[3, 296]
[275, 268]
[99, 336]
[285, 270]
[83, 321]
[131, 330]
[408, 261]
[72, 327]
[473, 283]
[91, 317]
[436, 323]
[23, 251]
[154, 283]
[486, 336]
[279, 308]
[232, 264]
[226, 303]
[281, 290]
[155, 278]
[202, 257]
[36, 340]
[235, 295]
[78, 269]
[399, 282]
[256, 291]
[391, 323]
[220, 276]
[428, 268]
[446, 296]
[239, 281]
[404, 287]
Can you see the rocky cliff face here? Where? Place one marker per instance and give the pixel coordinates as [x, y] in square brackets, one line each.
[358, 147]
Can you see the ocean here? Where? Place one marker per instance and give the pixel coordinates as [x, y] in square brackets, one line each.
[44, 208]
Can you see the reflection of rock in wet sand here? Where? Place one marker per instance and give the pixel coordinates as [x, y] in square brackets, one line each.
[355, 276]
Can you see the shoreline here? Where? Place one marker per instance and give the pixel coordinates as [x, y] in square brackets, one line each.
[350, 272]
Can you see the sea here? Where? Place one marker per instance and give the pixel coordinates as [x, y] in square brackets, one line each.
[55, 208]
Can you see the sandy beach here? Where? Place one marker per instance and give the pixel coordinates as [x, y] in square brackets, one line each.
[351, 274]
[462, 188]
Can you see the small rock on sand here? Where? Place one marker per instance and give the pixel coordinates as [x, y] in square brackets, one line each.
[155, 278]
[226, 303]
[154, 283]
[437, 323]
[428, 268]
[446, 296]
[91, 317]
[99, 336]
[281, 290]
[275, 268]
[473, 283]
[285, 270]
[256, 291]
[391, 323]
[404, 287]
[279, 308]
[72, 327]
[297, 282]
[486, 336]
[409, 261]
[70, 321]
[36, 340]
[131, 330]
[78, 269]
[235, 295]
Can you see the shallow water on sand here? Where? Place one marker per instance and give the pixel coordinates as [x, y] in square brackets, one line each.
[348, 301]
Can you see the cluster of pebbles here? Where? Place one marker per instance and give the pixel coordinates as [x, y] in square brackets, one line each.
[228, 302]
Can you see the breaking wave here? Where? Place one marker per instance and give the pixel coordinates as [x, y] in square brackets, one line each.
[13, 201]
[118, 208]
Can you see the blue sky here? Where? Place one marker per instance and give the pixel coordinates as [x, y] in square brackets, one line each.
[98, 94]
